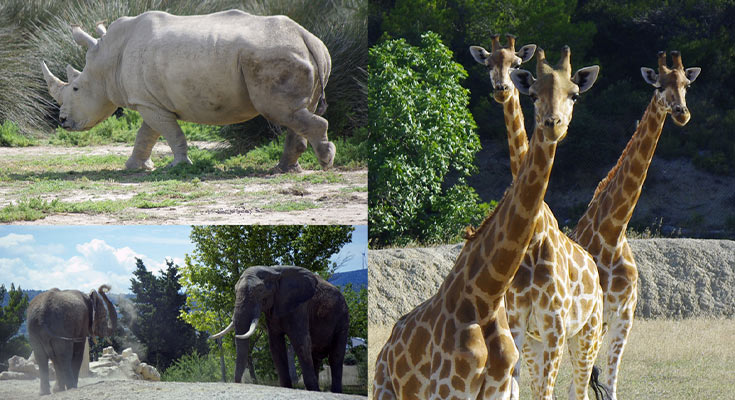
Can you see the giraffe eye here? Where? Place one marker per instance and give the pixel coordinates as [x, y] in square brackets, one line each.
[534, 97]
[659, 89]
[575, 97]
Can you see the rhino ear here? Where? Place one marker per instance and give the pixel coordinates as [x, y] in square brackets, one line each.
[82, 38]
[71, 73]
[100, 28]
[54, 84]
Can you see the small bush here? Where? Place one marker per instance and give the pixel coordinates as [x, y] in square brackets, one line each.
[11, 137]
[421, 130]
[196, 368]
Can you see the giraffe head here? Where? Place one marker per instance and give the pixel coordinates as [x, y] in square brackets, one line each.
[555, 91]
[671, 85]
[500, 62]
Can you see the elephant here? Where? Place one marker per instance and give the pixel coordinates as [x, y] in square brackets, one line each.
[312, 312]
[59, 322]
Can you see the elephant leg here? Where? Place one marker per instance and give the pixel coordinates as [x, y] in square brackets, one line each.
[42, 361]
[317, 360]
[242, 345]
[336, 361]
[62, 358]
[277, 345]
[302, 345]
[76, 363]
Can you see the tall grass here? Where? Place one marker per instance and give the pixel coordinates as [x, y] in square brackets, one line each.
[35, 30]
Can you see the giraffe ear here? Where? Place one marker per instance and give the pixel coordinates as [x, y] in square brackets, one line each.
[526, 52]
[522, 80]
[586, 77]
[692, 73]
[480, 55]
[650, 76]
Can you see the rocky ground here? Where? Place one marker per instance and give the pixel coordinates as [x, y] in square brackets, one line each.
[678, 278]
[95, 389]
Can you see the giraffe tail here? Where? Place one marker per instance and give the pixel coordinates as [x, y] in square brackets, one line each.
[600, 390]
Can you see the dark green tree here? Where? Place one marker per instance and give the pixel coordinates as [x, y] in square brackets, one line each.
[159, 303]
[357, 303]
[421, 131]
[12, 316]
[224, 252]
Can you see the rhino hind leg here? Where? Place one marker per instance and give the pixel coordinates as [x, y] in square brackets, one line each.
[313, 128]
[293, 148]
[144, 142]
[165, 123]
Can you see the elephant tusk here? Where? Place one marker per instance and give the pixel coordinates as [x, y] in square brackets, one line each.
[219, 335]
[249, 332]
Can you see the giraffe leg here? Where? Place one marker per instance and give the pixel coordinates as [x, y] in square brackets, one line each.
[518, 330]
[583, 349]
[619, 331]
[546, 356]
[502, 356]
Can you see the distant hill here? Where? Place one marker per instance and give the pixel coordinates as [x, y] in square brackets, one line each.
[358, 278]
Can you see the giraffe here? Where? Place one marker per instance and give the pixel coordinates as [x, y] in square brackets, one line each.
[556, 292]
[457, 343]
[601, 229]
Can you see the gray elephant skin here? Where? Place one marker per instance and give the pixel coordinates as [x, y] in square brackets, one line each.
[59, 322]
[297, 303]
[219, 69]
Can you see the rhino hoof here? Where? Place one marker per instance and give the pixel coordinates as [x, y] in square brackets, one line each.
[325, 153]
[281, 168]
[134, 164]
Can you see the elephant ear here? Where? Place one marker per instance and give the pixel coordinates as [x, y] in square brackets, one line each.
[99, 315]
[295, 286]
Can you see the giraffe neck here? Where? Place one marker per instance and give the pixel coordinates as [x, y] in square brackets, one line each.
[516, 130]
[492, 254]
[617, 195]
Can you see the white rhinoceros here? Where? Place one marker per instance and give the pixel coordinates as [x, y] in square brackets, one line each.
[220, 68]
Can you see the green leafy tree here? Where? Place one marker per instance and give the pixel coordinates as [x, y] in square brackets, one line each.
[159, 303]
[357, 303]
[11, 318]
[421, 131]
[224, 252]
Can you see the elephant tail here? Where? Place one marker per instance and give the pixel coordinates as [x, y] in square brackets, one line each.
[219, 335]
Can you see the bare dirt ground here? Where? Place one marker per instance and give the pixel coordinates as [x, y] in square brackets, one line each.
[95, 389]
[339, 198]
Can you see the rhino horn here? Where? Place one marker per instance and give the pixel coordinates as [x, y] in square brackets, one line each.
[100, 28]
[82, 38]
[54, 84]
[71, 73]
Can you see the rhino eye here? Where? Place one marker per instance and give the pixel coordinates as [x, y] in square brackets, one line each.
[75, 89]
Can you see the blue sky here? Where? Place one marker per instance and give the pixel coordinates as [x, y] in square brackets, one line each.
[83, 257]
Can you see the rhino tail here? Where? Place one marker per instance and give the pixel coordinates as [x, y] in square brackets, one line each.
[324, 66]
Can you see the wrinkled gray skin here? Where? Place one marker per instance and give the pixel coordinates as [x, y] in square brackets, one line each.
[299, 304]
[218, 69]
[59, 322]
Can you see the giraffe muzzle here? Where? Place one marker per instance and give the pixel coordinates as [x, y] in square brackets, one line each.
[680, 114]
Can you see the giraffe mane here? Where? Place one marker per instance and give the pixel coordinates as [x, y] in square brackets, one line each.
[606, 180]
[470, 232]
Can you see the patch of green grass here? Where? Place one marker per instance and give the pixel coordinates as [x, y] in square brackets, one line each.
[10, 136]
[291, 206]
[123, 129]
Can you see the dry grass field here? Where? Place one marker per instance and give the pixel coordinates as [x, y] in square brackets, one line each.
[692, 359]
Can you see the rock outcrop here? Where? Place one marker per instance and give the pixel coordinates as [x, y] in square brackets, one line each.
[678, 278]
[111, 365]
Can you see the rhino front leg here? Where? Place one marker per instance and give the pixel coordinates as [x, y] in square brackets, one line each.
[144, 142]
[293, 148]
[165, 123]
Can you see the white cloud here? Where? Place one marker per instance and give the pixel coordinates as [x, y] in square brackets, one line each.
[14, 240]
[96, 263]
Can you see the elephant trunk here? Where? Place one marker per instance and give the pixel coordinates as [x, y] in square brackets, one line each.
[249, 316]
[253, 325]
[109, 329]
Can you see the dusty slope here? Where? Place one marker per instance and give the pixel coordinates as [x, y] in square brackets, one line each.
[93, 389]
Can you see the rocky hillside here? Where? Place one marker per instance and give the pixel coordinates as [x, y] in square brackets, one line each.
[679, 278]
